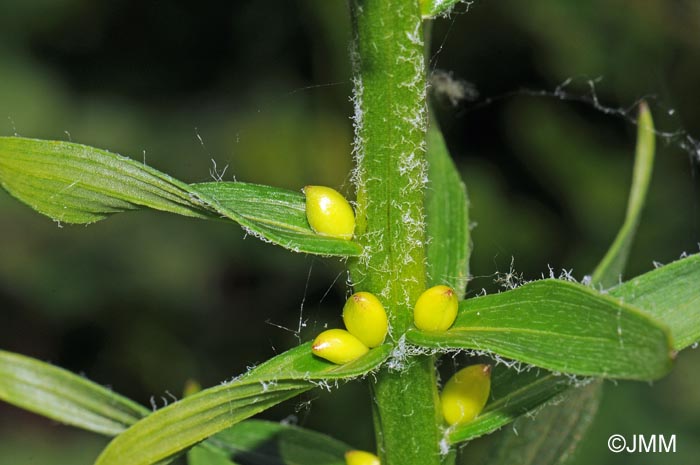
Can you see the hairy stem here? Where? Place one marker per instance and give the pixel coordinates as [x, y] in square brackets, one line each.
[390, 134]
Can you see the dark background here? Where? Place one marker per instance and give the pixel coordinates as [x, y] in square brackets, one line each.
[144, 301]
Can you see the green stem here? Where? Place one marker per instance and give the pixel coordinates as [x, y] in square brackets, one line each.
[390, 138]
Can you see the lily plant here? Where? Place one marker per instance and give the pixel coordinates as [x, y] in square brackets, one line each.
[548, 339]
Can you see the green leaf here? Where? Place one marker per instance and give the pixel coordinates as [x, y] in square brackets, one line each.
[513, 394]
[166, 433]
[610, 269]
[65, 397]
[560, 326]
[433, 8]
[552, 436]
[257, 442]
[447, 218]
[670, 294]
[74, 183]
[273, 214]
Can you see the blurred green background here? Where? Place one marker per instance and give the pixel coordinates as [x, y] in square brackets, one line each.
[144, 301]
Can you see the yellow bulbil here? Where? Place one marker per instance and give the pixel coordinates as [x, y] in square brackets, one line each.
[338, 346]
[436, 309]
[192, 387]
[329, 213]
[365, 318]
[360, 457]
[465, 394]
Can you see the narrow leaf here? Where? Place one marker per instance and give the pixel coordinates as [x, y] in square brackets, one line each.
[670, 294]
[433, 8]
[272, 214]
[552, 436]
[611, 267]
[166, 433]
[74, 183]
[512, 394]
[447, 218]
[560, 326]
[257, 442]
[65, 397]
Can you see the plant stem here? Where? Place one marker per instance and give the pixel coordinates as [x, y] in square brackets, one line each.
[390, 134]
